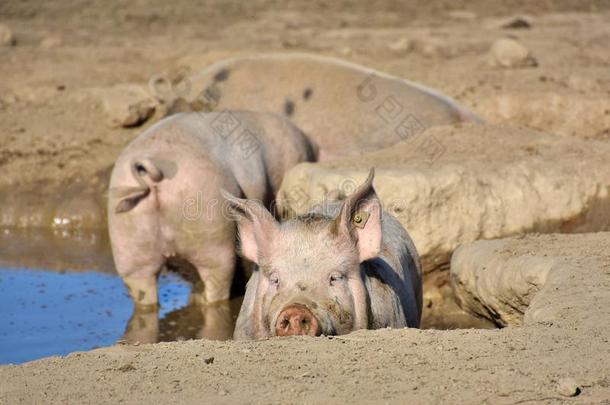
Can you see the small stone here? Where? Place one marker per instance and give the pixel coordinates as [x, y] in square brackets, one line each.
[517, 23]
[126, 367]
[568, 387]
[209, 360]
[508, 53]
[127, 105]
[400, 46]
[291, 42]
[432, 47]
[6, 36]
[346, 51]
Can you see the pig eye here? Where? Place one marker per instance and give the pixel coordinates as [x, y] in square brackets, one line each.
[274, 280]
[335, 278]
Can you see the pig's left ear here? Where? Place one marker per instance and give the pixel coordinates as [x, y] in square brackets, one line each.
[360, 217]
[255, 224]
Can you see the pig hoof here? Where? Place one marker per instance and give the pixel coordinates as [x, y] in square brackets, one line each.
[297, 320]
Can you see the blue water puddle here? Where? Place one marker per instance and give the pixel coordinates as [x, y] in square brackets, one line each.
[45, 313]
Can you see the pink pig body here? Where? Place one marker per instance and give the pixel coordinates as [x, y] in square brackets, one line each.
[165, 202]
[343, 266]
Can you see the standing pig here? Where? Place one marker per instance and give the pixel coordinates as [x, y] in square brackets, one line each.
[165, 193]
[341, 267]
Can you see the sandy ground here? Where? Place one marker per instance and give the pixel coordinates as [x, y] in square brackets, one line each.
[57, 149]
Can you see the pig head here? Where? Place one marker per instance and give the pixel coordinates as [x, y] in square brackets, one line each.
[316, 273]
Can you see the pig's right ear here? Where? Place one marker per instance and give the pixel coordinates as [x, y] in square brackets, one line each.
[255, 224]
[360, 217]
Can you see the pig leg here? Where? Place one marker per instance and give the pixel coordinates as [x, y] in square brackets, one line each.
[216, 273]
[137, 255]
[142, 287]
[140, 271]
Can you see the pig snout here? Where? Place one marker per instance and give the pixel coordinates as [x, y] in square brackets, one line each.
[297, 320]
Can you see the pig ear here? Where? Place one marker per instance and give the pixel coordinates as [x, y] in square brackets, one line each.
[360, 217]
[255, 225]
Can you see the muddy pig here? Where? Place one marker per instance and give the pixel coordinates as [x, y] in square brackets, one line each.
[165, 202]
[345, 265]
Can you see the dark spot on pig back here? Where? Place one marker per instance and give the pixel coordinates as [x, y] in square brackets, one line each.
[208, 99]
[212, 93]
[288, 107]
[222, 75]
[307, 93]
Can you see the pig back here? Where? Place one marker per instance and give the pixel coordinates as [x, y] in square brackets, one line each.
[256, 147]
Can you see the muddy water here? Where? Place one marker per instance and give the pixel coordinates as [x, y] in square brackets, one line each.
[59, 294]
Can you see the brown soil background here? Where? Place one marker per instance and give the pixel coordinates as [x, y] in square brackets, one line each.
[55, 146]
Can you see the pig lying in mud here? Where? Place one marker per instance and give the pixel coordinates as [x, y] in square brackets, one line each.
[165, 202]
[346, 109]
[345, 265]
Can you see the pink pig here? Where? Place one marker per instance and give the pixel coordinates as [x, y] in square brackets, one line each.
[341, 267]
[165, 202]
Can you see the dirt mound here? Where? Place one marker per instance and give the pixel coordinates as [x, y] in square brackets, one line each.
[452, 185]
[535, 279]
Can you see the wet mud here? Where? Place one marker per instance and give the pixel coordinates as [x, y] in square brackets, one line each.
[61, 294]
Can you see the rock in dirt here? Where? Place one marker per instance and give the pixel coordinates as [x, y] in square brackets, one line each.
[568, 387]
[400, 46]
[431, 47]
[452, 185]
[517, 23]
[7, 38]
[127, 105]
[509, 53]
